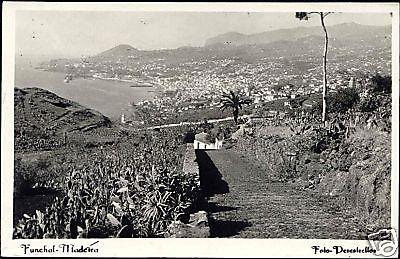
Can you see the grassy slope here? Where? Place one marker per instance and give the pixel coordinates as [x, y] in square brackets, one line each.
[40, 120]
[42, 157]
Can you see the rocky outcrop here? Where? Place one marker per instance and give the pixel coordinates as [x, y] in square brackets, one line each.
[197, 227]
[362, 177]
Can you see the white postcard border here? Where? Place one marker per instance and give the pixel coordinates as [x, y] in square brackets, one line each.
[177, 247]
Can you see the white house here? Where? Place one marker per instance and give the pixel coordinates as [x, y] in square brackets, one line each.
[201, 142]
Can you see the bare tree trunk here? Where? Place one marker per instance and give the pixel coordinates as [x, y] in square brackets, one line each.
[65, 137]
[324, 85]
[236, 115]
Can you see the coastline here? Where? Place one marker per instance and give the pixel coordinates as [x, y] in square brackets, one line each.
[110, 97]
[136, 84]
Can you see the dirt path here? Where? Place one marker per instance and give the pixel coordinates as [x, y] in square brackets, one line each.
[245, 204]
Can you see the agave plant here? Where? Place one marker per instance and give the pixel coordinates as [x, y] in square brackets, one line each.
[113, 183]
[156, 208]
[180, 212]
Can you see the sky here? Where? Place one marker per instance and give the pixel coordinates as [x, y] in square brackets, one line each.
[77, 33]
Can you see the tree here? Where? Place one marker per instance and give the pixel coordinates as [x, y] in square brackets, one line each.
[233, 102]
[344, 100]
[381, 84]
[377, 97]
[341, 101]
[322, 15]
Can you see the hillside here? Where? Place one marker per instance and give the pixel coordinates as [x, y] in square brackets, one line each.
[348, 32]
[349, 161]
[121, 50]
[41, 118]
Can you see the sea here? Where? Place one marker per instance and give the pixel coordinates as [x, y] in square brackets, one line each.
[111, 98]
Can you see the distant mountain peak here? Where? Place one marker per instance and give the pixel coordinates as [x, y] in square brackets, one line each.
[234, 33]
[343, 30]
[229, 38]
[124, 46]
[119, 50]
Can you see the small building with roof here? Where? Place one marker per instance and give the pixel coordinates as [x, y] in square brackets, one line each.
[202, 141]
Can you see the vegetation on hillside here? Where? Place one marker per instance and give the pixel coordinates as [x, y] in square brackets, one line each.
[135, 188]
[109, 182]
[44, 121]
[349, 160]
[120, 183]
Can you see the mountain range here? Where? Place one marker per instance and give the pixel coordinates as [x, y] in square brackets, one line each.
[344, 32]
[343, 38]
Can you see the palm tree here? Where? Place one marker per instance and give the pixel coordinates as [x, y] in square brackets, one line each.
[233, 102]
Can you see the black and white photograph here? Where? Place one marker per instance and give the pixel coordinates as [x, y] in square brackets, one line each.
[192, 122]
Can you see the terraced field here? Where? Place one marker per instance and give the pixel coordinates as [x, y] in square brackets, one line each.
[244, 203]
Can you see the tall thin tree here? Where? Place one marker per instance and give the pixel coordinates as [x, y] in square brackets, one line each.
[322, 15]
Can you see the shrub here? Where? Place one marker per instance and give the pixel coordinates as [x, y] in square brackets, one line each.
[339, 102]
[115, 190]
[343, 100]
[28, 173]
[381, 84]
[23, 178]
[189, 137]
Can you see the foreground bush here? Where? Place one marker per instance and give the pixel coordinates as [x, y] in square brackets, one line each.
[134, 189]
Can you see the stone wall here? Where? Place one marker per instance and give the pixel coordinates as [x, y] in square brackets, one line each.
[355, 170]
[190, 165]
[197, 227]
